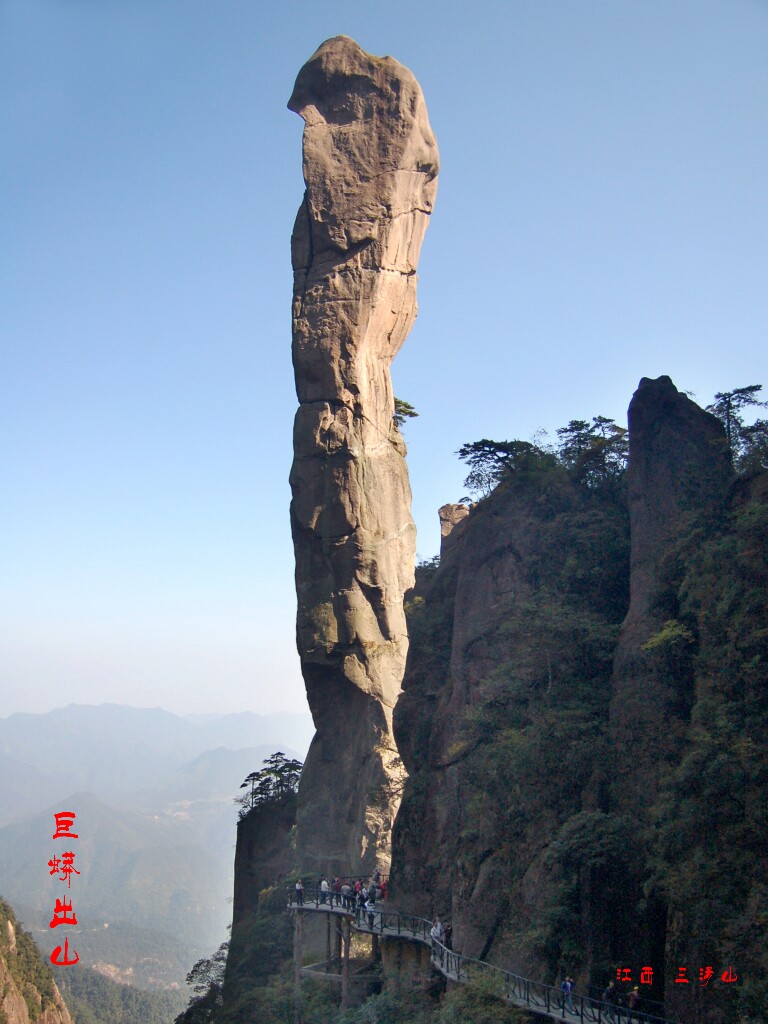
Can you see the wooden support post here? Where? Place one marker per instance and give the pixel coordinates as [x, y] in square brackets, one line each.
[298, 960]
[345, 939]
[328, 943]
[337, 933]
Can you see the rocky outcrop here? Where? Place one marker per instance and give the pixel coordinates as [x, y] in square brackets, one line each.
[370, 166]
[451, 517]
[678, 483]
[258, 919]
[513, 632]
[28, 992]
[679, 473]
[541, 732]
[262, 852]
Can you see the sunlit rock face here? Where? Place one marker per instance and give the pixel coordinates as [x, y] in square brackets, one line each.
[25, 1002]
[370, 167]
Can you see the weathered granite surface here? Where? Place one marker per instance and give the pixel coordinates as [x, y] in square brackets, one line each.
[679, 470]
[541, 605]
[23, 1003]
[370, 167]
[477, 624]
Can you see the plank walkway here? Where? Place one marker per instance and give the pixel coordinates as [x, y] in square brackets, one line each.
[544, 1000]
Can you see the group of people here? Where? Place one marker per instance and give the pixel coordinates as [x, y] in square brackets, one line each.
[362, 897]
[629, 1000]
[442, 933]
[347, 894]
[622, 1002]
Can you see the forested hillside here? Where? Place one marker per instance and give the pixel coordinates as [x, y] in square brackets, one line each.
[584, 728]
[28, 993]
[583, 719]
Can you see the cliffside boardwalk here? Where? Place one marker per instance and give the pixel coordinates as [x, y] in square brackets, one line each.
[545, 1001]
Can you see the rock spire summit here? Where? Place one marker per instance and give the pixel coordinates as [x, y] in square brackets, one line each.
[370, 167]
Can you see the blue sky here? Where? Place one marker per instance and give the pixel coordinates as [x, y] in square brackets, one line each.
[601, 216]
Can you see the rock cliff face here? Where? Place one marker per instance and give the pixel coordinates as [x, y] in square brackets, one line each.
[370, 166]
[260, 927]
[678, 481]
[546, 716]
[28, 992]
[511, 650]
[679, 472]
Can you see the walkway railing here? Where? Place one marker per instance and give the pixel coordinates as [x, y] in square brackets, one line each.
[534, 995]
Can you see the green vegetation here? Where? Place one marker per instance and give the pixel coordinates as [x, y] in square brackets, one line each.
[93, 999]
[491, 462]
[748, 442]
[712, 815]
[256, 967]
[535, 747]
[403, 411]
[535, 742]
[207, 981]
[594, 454]
[243, 977]
[31, 973]
[406, 1000]
[277, 779]
[259, 969]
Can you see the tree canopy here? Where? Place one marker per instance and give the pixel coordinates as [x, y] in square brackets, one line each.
[594, 453]
[403, 411]
[748, 442]
[277, 778]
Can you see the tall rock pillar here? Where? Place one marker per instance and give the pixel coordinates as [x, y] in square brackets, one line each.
[678, 479]
[679, 471]
[370, 167]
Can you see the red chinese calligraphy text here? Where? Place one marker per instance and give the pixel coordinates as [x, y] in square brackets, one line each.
[65, 962]
[64, 822]
[63, 913]
[65, 866]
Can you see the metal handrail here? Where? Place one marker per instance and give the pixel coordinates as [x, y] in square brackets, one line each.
[456, 967]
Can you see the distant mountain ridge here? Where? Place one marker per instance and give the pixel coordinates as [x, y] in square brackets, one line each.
[138, 868]
[122, 749]
[154, 793]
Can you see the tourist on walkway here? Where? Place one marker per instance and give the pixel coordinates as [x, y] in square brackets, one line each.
[567, 990]
[370, 908]
[436, 933]
[633, 1001]
[324, 889]
[299, 893]
[611, 996]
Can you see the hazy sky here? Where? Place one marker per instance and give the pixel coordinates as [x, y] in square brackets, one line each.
[601, 216]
